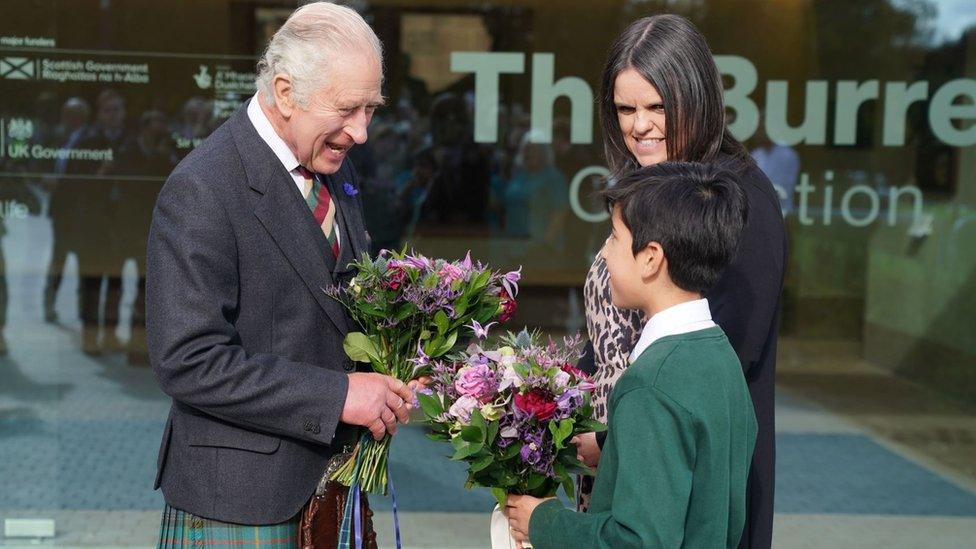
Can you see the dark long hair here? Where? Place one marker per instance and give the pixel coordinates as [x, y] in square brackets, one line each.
[670, 53]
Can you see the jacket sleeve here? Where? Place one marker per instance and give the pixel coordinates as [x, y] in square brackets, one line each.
[654, 452]
[192, 296]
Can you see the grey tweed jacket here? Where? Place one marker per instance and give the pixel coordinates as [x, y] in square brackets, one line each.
[241, 333]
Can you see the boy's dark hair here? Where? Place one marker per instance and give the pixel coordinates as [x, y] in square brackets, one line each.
[695, 211]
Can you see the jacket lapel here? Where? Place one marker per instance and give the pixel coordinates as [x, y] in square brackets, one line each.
[350, 210]
[284, 214]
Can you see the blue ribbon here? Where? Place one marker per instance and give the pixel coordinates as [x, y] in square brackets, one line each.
[354, 507]
[396, 518]
[357, 520]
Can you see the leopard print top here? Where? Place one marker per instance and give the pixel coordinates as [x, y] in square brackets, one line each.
[614, 332]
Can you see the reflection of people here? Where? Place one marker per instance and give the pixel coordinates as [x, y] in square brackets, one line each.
[682, 427]
[241, 333]
[150, 153]
[412, 90]
[781, 165]
[663, 101]
[535, 201]
[98, 200]
[458, 189]
[67, 223]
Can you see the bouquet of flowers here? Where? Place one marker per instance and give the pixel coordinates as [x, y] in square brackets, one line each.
[412, 310]
[509, 412]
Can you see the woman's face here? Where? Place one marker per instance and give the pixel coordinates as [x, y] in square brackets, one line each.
[640, 113]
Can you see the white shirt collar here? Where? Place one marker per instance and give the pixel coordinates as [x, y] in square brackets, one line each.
[689, 316]
[267, 132]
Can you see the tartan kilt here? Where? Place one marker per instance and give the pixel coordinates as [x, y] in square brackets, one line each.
[181, 529]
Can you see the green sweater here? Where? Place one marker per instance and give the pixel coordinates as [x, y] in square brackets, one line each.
[674, 465]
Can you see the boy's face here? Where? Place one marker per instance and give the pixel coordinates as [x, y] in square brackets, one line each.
[626, 285]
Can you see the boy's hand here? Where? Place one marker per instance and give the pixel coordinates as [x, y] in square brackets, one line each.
[519, 512]
[587, 450]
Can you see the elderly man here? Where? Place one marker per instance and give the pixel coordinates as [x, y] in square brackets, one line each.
[248, 233]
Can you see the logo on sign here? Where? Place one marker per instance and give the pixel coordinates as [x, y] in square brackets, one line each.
[203, 78]
[20, 129]
[16, 68]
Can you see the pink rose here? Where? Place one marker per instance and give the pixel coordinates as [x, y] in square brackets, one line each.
[477, 381]
[450, 272]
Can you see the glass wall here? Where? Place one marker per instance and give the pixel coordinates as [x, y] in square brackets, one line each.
[862, 113]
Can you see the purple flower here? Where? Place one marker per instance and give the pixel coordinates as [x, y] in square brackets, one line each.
[350, 189]
[480, 332]
[417, 262]
[477, 381]
[504, 442]
[534, 451]
[510, 281]
[422, 360]
[568, 402]
[424, 390]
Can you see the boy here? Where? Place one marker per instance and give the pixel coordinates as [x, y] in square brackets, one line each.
[682, 427]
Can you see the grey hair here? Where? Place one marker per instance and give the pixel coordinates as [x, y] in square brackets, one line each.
[303, 48]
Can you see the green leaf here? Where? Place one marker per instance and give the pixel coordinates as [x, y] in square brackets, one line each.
[359, 348]
[477, 423]
[481, 463]
[501, 496]
[466, 449]
[591, 426]
[460, 306]
[569, 487]
[511, 451]
[431, 405]
[559, 471]
[406, 311]
[447, 345]
[492, 432]
[535, 481]
[440, 320]
[561, 430]
[433, 345]
[472, 434]
[521, 369]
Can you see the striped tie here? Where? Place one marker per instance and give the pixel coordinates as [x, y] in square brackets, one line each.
[323, 208]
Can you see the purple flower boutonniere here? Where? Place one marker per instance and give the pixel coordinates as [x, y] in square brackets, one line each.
[350, 189]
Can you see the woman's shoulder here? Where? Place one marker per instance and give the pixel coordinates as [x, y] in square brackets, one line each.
[759, 189]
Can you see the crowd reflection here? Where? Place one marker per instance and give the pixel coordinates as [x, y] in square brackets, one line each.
[421, 173]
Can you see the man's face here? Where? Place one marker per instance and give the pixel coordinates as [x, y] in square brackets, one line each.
[336, 116]
[111, 114]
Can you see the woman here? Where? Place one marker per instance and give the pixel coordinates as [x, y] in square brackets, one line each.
[662, 100]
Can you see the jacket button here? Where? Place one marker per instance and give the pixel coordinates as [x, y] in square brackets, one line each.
[316, 430]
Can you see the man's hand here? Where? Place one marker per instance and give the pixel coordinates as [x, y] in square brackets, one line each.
[376, 402]
[587, 450]
[519, 511]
